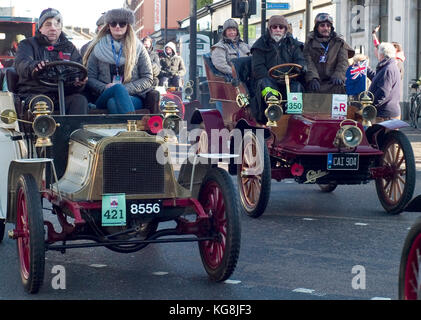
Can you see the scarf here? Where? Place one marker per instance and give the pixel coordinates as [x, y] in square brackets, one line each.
[104, 52]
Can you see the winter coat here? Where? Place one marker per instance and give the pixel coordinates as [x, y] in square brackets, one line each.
[226, 49]
[266, 53]
[156, 64]
[100, 73]
[32, 51]
[337, 58]
[386, 88]
[172, 65]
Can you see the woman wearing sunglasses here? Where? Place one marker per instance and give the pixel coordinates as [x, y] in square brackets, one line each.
[119, 67]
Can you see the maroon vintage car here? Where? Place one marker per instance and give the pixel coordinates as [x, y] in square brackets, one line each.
[12, 31]
[410, 266]
[308, 140]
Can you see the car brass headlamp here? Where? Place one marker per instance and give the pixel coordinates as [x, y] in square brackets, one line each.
[274, 111]
[368, 112]
[44, 127]
[348, 136]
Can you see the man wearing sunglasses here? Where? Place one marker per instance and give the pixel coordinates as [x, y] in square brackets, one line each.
[49, 44]
[277, 46]
[327, 56]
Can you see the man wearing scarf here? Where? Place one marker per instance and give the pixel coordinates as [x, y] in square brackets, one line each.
[276, 46]
[327, 56]
[49, 44]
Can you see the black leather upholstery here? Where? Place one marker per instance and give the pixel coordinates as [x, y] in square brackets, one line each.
[12, 79]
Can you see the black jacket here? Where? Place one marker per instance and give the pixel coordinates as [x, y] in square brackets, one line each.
[266, 53]
[32, 51]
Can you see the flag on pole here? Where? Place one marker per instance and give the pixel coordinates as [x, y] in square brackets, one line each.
[356, 78]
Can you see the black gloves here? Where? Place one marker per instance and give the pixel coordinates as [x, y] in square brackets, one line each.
[336, 81]
[314, 85]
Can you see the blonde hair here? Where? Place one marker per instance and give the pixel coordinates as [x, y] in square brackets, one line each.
[129, 50]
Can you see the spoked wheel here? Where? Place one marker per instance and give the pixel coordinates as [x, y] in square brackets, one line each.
[328, 187]
[396, 187]
[30, 229]
[2, 228]
[220, 201]
[254, 176]
[410, 267]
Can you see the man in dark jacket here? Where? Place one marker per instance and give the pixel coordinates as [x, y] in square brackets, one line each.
[386, 84]
[327, 56]
[49, 44]
[276, 46]
[156, 64]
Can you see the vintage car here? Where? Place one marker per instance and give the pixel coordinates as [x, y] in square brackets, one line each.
[410, 266]
[108, 180]
[321, 139]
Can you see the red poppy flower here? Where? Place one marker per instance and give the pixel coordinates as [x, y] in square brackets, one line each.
[50, 48]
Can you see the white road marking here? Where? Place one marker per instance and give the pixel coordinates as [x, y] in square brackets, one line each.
[361, 224]
[232, 281]
[160, 273]
[380, 298]
[98, 265]
[309, 219]
[304, 290]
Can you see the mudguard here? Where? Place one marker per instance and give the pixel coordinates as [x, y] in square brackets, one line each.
[376, 132]
[35, 167]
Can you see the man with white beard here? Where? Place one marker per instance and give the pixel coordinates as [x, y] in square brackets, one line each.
[276, 46]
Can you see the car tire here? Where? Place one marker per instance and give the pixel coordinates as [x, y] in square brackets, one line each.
[399, 164]
[2, 229]
[219, 200]
[328, 187]
[254, 205]
[31, 245]
[410, 265]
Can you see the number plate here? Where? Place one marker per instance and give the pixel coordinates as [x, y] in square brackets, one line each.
[343, 161]
[144, 207]
[113, 211]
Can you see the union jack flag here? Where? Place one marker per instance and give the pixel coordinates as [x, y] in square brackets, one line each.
[359, 70]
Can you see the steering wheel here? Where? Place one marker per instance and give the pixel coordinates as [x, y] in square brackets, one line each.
[277, 72]
[56, 71]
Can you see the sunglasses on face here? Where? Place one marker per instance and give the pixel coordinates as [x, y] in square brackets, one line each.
[121, 24]
[277, 27]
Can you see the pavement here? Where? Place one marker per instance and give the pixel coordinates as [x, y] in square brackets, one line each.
[414, 136]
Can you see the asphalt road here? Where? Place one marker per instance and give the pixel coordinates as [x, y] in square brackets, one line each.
[307, 245]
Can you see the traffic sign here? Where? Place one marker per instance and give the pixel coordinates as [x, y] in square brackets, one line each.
[277, 6]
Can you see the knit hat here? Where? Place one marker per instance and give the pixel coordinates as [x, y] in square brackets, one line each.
[119, 15]
[277, 20]
[47, 14]
[230, 23]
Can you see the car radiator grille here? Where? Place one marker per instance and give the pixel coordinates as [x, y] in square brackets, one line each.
[132, 168]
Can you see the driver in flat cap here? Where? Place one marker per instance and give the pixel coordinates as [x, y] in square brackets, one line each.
[49, 44]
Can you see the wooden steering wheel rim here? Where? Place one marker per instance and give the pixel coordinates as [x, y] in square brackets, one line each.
[294, 75]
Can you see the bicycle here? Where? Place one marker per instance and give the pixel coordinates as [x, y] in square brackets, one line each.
[415, 102]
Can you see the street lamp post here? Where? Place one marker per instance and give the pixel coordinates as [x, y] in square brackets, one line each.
[193, 47]
[263, 18]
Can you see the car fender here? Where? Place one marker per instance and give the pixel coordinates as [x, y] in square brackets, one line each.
[35, 167]
[376, 132]
[209, 120]
[10, 151]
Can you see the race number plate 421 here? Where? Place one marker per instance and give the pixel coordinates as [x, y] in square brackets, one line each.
[342, 161]
[113, 211]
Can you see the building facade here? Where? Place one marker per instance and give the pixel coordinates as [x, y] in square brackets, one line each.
[153, 15]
